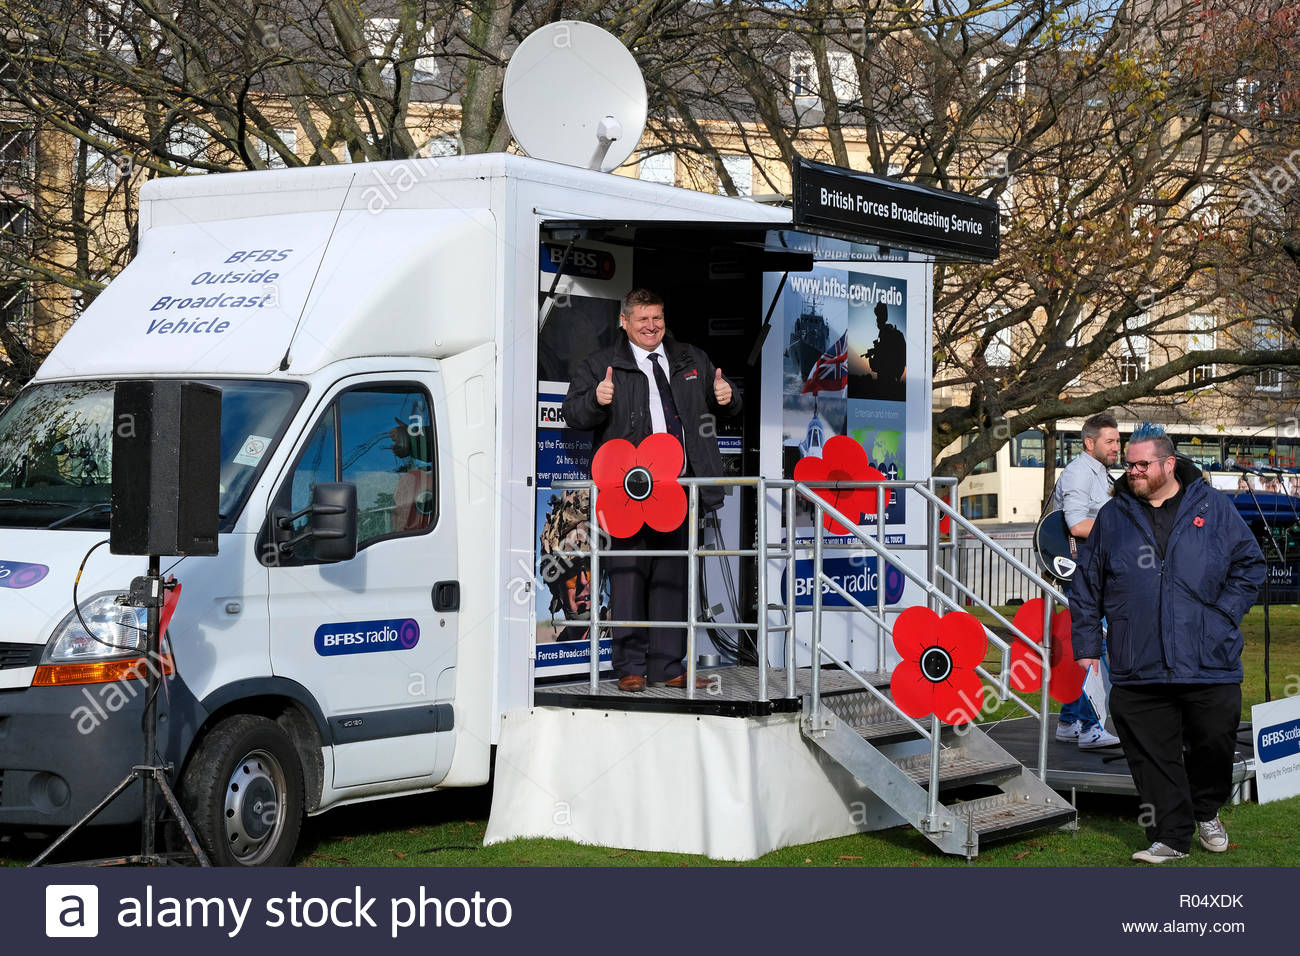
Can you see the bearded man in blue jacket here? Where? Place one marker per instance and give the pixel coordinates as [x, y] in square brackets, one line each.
[1173, 568]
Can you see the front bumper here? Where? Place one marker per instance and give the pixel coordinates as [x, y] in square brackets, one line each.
[62, 749]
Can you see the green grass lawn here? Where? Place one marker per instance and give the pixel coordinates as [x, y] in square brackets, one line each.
[446, 829]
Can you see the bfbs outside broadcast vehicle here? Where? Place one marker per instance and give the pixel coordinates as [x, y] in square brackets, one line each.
[373, 326]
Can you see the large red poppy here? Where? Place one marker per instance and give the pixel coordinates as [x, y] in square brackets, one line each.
[1066, 681]
[937, 674]
[638, 485]
[842, 459]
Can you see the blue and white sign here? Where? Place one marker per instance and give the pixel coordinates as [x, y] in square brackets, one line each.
[569, 653]
[857, 576]
[1277, 748]
[367, 637]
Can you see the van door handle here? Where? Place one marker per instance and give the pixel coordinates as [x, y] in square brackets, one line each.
[446, 596]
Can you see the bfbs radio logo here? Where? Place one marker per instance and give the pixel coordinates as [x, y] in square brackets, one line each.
[367, 637]
[71, 910]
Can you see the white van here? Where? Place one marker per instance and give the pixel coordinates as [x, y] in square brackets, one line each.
[372, 325]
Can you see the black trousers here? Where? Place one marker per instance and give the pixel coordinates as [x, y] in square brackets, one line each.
[649, 589]
[1180, 741]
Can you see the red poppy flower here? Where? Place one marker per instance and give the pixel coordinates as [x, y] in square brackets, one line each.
[843, 459]
[638, 485]
[1066, 681]
[937, 674]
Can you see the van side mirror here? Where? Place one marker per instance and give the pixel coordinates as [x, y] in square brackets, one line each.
[331, 523]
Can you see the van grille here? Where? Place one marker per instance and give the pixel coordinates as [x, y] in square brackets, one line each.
[19, 655]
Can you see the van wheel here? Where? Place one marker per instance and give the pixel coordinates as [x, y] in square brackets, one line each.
[243, 792]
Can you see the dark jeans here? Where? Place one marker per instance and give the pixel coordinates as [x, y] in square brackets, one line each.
[649, 589]
[1180, 741]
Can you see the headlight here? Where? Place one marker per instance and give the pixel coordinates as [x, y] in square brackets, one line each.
[118, 630]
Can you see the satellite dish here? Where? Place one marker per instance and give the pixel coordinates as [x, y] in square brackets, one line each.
[573, 94]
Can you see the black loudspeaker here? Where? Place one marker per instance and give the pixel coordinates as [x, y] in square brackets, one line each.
[166, 468]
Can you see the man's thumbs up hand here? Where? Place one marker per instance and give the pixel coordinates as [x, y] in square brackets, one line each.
[721, 389]
[605, 390]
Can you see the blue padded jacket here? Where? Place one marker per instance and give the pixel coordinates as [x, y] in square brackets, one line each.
[1175, 620]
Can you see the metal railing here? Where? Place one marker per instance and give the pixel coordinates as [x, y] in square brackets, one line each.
[941, 583]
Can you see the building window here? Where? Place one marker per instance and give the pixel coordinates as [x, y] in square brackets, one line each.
[1003, 184]
[1011, 79]
[844, 76]
[1200, 338]
[1134, 350]
[15, 153]
[384, 39]
[188, 144]
[741, 171]
[271, 156]
[104, 166]
[998, 352]
[658, 168]
[1267, 338]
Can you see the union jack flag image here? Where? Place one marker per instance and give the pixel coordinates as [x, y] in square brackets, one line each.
[831, 373]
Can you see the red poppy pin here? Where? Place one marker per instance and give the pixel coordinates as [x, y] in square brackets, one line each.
[638, 485]
[843, 459]
[1198, 521]
[1065, 682]
[937, 674]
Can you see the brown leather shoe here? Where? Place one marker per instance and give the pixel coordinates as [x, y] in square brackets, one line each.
[631, 683]
[680, 681]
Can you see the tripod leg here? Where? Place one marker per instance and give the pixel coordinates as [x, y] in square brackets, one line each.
[181, 820]
[94, 812]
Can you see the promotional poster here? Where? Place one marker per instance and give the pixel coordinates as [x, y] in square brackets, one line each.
[582, 319]
[845, 370]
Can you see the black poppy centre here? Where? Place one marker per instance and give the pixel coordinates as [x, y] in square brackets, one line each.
[638, 482]
[936, 664]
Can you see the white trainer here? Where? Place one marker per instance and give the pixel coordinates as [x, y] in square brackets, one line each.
[1068, 731]
[1158, 853]
[1213, 837]
[1097, 737]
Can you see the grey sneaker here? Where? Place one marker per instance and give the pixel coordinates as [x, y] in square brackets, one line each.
[1097, 737]
[1158, 853]
[1213, 837]
[1068, 731]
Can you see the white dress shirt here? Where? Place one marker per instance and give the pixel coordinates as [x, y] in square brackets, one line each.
[642, 358]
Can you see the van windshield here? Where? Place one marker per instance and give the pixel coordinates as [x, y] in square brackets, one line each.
[56, 450]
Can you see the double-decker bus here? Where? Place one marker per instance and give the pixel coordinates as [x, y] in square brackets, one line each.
[1009, 488]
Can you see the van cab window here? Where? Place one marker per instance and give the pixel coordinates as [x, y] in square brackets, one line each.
[56, 449]
[381, 440]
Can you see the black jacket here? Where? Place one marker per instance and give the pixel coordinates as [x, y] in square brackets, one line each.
[1175, 620]
[690, 376]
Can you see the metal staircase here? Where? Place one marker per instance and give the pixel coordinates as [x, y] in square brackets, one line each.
[869, 740]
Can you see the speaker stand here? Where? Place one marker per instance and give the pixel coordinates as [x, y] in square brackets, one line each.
[146, 592]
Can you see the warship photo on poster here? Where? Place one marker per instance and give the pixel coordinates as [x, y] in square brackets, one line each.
[809, 336]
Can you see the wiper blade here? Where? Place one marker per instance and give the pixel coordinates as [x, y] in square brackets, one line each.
[34, 501]
[89, 509]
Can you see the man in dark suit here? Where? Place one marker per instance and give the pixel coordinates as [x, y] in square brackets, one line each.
[649, 382]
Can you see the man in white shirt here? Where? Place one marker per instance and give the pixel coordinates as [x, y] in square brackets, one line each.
[1084, 486]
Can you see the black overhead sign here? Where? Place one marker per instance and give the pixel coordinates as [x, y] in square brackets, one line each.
[864, 208]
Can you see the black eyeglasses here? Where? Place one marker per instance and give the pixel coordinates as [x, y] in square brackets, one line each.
[1140, 465]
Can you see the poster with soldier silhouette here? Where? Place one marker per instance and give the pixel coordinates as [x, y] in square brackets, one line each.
[845, 369]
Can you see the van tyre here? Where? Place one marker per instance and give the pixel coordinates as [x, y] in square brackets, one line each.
[242, 790]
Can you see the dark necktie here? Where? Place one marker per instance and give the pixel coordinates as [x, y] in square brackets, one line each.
[672, 421]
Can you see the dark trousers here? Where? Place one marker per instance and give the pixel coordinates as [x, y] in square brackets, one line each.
[1180, 740]
[649, 589]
